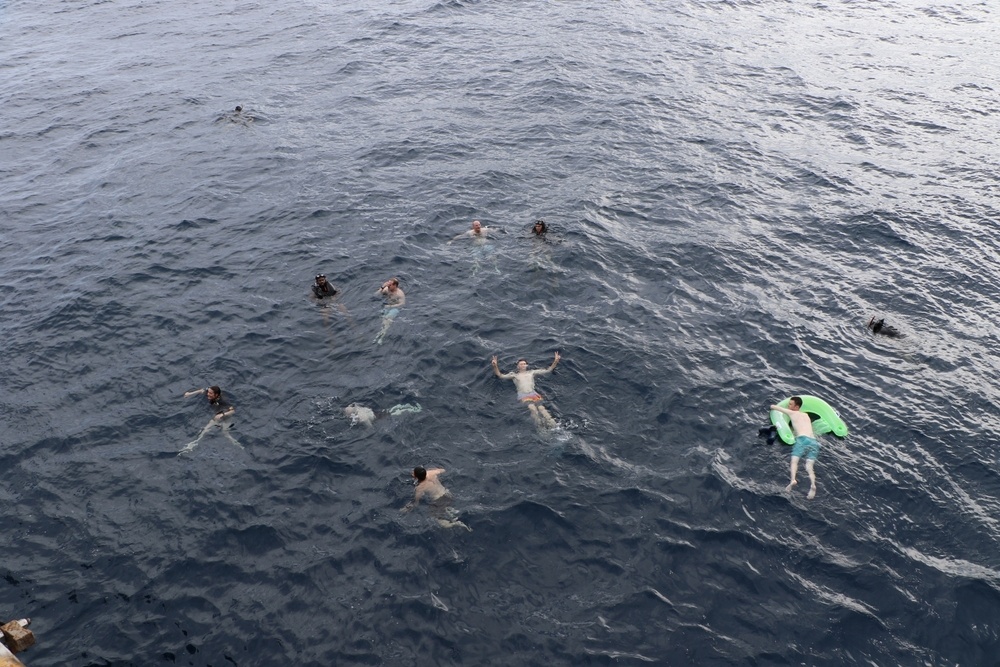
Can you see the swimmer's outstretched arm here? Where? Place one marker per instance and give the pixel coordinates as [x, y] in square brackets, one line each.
[496, 370]
[552, 367]
[781, 409]
[194, 392]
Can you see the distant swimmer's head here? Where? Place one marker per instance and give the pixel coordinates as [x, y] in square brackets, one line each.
[213, 393]
[794, 403]
[476, 226]
[320, 279]
[522, 364]
[239, 109]
[419, 474]
[539, 228]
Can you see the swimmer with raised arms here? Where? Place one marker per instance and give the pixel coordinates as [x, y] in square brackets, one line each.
[524, 382]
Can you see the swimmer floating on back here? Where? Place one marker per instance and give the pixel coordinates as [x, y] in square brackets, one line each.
[223, 410]
[524, 381]
[805, 443]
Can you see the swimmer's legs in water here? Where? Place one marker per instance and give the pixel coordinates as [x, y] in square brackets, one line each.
[794, 468]
[225, 426]
[386, 323]
[194, 443]
[541, 416]
[446, 523]
[812, 478]
[447, 517]
[208, 427]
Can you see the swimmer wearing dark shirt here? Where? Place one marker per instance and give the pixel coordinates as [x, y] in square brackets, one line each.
[880, 327]
[221, 409]
[322, 288]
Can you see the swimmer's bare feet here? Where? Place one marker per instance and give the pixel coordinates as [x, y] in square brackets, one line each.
[788, 489]
[812, 492]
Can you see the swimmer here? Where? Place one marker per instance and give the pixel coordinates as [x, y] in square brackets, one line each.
[880, 327]
[237, 116]
[524, 382]
[539, 229]
[359, 414]
[223, 410]
[322, 289]
[478, 233]
[438, 498]
[394, 300]
[326, 294]
[805, 443]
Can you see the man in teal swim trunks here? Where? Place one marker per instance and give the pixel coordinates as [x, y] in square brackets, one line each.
[524, 381]
[394, 300]
[805, 442]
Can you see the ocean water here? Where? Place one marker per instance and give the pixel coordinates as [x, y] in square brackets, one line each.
[733, 190]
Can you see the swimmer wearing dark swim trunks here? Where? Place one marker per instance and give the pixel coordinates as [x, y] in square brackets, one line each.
[524, 382]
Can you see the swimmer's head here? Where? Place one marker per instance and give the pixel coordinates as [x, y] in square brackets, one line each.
[419, 474]
[794, 403]
[522, 364]
[239, 109]
[320, 279]
[213, 393]
[476, 225]
[539, 227]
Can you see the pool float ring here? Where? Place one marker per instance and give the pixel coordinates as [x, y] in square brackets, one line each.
[827, 420]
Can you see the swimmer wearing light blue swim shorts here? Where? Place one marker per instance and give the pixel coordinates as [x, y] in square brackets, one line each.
[394, 300]
[805, 443]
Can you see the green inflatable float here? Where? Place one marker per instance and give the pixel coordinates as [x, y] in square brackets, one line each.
[826, 419]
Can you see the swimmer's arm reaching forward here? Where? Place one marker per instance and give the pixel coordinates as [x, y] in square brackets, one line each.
[781, 409]
[496, 370]
[194, 392]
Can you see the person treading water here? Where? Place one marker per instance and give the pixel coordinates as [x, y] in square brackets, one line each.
[524, 381]
[222, 418]
[394, 300]
[478, 233]
[439, 499]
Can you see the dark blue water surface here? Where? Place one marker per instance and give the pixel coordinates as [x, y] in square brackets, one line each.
[734, 188]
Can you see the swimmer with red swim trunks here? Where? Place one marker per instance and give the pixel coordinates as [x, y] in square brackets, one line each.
[524, 382]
